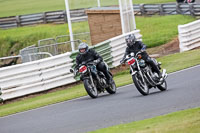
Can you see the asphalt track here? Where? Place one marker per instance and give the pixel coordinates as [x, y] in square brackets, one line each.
[197, 1]
[127, 105]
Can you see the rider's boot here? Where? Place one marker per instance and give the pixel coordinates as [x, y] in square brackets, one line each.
[108, 77]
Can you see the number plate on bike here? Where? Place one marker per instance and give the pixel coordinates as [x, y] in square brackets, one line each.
[82, 69]
[131, 61]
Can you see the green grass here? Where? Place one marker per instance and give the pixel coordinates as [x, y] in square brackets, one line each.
[156, 31]
[13, 40]
[21, 7]
[171, 63]
[159, 30]
[39, 101]
[186, 121]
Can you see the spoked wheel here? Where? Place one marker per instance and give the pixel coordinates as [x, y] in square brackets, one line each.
[140, 85]
[163, 86]
[112, 88]
[91, 90]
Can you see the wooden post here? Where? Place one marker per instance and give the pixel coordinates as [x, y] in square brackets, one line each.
[44, 18]
[178, 10]
[18, 21]
[191, 9]
[142, 10]
[65, 16]
[161, 9]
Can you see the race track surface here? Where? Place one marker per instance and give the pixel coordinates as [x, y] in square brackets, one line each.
[127, 105]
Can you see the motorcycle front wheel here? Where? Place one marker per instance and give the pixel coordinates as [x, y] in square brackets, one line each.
[112, 88]
[90, 89]
[140, 85]
[163, 86]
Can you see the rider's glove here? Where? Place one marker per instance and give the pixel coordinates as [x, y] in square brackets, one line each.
[143, 48]
[96, 61]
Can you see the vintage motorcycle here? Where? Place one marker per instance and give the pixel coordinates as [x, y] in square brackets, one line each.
[143, 76]
[185, 1]
[94, 81]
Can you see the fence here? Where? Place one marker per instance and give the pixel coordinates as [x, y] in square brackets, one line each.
[36, 76]
[189, 36]
[42, 18]
[79, 15]
[45, 74]
[167, 9]
[52, 46]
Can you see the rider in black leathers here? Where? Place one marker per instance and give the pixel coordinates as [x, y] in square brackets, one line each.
[135, 46]
[86, 54]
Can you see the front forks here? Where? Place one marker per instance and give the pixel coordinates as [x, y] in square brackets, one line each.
[91, 79]
[141, 75]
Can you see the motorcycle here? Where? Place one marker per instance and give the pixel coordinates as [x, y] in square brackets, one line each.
[143, 76]
[185, 1]
[94, 81]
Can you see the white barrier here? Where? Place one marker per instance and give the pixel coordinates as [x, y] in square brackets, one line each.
[45, 74]
[36, 76]
[118, 45]
[189, 36]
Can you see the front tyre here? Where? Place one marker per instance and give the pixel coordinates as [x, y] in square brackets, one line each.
[112, 88]
[91, 90]
[140, 85]
[163, 86]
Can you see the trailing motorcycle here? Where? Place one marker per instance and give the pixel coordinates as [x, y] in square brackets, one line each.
[94, 81]
[143, 76]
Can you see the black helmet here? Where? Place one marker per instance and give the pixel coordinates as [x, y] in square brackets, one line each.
[83, 48]
[130, 40]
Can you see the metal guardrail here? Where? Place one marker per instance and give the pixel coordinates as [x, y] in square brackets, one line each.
[80, 15]
[24, 79]
[36, 76]
[48, 50]
[42, 18]
[45, 48]
[167, 9]
[189, 36]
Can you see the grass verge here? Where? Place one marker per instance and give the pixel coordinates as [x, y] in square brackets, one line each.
[156, 31]
[186, 121]
[172, 63]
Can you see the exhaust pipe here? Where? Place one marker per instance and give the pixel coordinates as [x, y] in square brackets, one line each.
[164, 74]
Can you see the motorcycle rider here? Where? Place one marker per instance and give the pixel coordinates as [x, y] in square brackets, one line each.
[86, 54]
[135, 46]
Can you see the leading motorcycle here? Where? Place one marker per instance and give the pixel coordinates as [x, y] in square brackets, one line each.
[94, 81]
[143, 76]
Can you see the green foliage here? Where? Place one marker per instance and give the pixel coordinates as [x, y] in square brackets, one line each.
[21, 7]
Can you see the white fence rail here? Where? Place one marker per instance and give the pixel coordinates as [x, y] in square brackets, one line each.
[48, 73]
[189, 36]
[36, 76]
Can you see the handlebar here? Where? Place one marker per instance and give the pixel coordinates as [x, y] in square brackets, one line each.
[129, 56]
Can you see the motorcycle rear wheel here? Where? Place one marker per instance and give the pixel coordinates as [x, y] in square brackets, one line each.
[112, 88]
[141, 87]
[91, 90]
